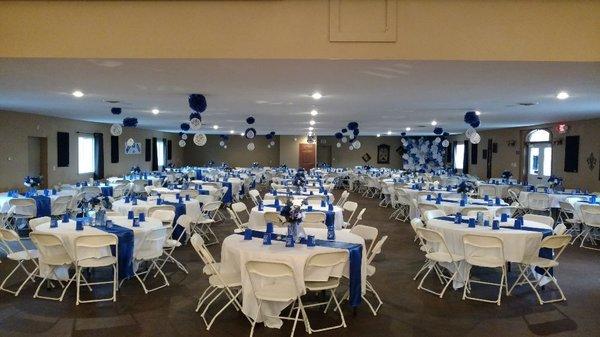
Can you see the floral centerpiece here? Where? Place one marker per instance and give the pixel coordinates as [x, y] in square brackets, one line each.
[210, 163]
[555, 182]
[506, 175]
[135, 170]
[293, 216]
[299, 180]
[465, 187]
[255, 165]
[32, 181]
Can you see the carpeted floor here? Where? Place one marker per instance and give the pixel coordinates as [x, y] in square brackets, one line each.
[406, 311]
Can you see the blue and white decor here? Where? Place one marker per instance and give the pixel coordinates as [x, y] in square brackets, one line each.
[421, 154]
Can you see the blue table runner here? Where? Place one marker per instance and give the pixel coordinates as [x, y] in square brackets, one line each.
[125, 257]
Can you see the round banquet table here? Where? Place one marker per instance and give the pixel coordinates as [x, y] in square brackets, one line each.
[235, 252]
[68, 234]
[554, 197]
[519, 244]
[192, 207]
[452, 205]
[5, 206]
[413, 194]
[295, 196]
[257, 218]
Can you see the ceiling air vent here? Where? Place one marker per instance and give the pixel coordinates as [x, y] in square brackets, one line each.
[527, 103]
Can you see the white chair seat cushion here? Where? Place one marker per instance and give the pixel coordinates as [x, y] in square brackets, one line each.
[170, 243]
[229, 280]
[331, 283]
[22, 255]
[97, 262]
[442, 257]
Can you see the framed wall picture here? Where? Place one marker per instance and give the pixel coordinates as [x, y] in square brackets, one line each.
[383, 154]
[136, 148]
[366, 157]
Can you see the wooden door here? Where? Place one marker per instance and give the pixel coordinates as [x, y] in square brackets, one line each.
[307, 156]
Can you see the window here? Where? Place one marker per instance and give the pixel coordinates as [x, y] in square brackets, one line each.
[459, 156]
[160, 153]
[538, 136]
[86, 159]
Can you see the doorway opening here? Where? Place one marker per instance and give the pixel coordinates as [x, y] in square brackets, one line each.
[539, 157]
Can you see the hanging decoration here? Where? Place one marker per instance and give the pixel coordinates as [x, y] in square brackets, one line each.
[185, 126]
[223, 141]
[250, 146]
[115, 111]
[182, 143]
[130, 122]
[116, 130]
[338, 145]
[356, 144]
[250, 120]
[250, 133]
[200, 139]
[197, 102]
[422, 155]
[184, 136]
[438, 131]
[195, 121]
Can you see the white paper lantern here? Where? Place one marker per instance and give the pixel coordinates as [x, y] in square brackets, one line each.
[445, 143]
[268, 146]
[221, 143]
[475, 138]
[405, 156]
[130, 142]
[116, 130]
[195, 124]
[338, 145]
[344, 139]
[470, 131]
[224, 146]
[182, 143]
[250, 146]
[184, 136]
[437, 140]
[272, 143]
[200, 139]
[351, 148]
[356, 144]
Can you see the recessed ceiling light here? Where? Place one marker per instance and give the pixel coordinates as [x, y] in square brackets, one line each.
[215, 127]
[562, 95]
[316, 95]
[231, 131]
[407, 128]
[155, 111]
[378, 135]
[434, 123]
[77, 93]
[314, 112]
[312, 122]
[477, 112]
[310, 128]
[389, 133]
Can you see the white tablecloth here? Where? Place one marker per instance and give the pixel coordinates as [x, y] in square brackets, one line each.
[454, 207]
[304, 195]
[192, 207]
[235, 252]
[554, 198]
[4, 198]
[518, 244]
[257, 218]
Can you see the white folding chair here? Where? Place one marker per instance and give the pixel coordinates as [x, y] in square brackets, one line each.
[23, 208]
[555, 242]
[149, 252]
[327, 261]
[566, 216]
[508, 210]
[153, 209]
[255, 196]
[165, 216]
[402, 203]
[546, 220]
[538, 202]
[424, 207]
[417, 223]
[82, 260]
[90, 192]
[52, 253]
[368, 233]
[60, 205]
[359, 217]
[184, 224]
[486, 252]
[235, 219]
[351, 207]
[241, 212]
[370, 272]
[437, 252]
[591, 221]
[274, 281]
[432, 214]
[485, 189]
[343, 198]
[33, 223]
[21, 256]
[207, 219]
[223, 283]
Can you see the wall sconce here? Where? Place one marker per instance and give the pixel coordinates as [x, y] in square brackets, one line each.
[558, 141]
[511, 142]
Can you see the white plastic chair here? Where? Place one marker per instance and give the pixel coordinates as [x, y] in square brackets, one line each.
[33, 223]
[207, 219]
[368, 233]
[432, 214]
[153, 209]
[343, 198]
[314, 219]
[485, 189]
[241, 212]
[150, 251]
[591, 220]
[538, 202]
[255, 196]
[546, 220]
[486, 252]
[21, 256]
[349, 206]
[96, 241]
[555, 242]
[60, 205]
[24, 208]
[52, 253]
[184, 223]
[359, 217]
[165, 216]
[437, 252]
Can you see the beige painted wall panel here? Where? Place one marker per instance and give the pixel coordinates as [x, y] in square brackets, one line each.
[236, 153]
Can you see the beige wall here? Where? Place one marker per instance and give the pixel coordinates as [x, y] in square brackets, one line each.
[17, 127]
[550, 30]
[236, 153]
[343, 157]
[289, 150]
[513, 158]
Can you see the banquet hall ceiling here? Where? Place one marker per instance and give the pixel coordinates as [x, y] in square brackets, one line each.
[379, 95]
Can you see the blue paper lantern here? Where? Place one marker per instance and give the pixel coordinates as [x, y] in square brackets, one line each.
[185, 126]
[344, 130]
[116, 111]
[352, 125]
[130, 122]
[195, 115]
[355, 132]
[339, 135]
[250, 120]
[438, 131]
[197, 102]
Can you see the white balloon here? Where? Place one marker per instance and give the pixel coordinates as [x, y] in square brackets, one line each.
[221, 143]
[195, 124]
[130, 142]
[182, 143]
[445, 143]
[351, 148]
[475, 138]
[184, 136]
[272, 143]
[116, 130]
[250, 146]
[356, 144]
[200, 139]
[437, 140]
[344, 139]
[470, 131]
[250, 134]
[338, 144]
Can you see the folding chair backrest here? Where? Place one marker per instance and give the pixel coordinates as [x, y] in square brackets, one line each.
[33, 223]
[23, 206]
[472, 211]
[50, 248]
[314, 220]
[238, 207]
[376, 249]
[211, 207]
[327, 260]
[91, 192]
[432, 214]
[560, 229]
[185, 221]
[538, 201]
[508, 210]
[478, 246]
[7, 236]
[60, 205]
[275, 218]
[485, 189]
[165, 216]
[93, 241]
[235, 218]
[315, 199]
[546, 220]
[152, 245]
[590, 215]
[566, 207]
[190, 192]
[156, 208]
